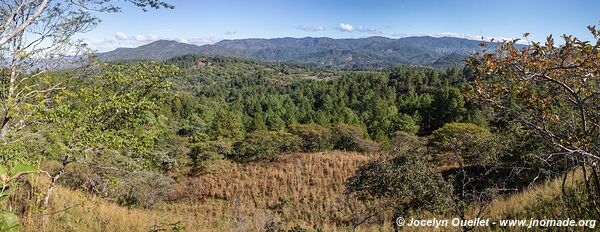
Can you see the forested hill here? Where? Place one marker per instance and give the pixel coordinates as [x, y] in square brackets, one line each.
[372, 52]
[243, 95]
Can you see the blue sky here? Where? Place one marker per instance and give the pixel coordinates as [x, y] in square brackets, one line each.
[209, 21]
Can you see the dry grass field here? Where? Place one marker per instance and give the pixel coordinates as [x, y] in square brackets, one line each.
[300, 190]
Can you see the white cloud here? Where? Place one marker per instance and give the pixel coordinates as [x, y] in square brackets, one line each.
[121, 36]
[345, 27]
[310, 29]
[230, 32]
[140, 38]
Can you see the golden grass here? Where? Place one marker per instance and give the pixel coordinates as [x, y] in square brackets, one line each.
[517, 203]
[300, 189]
[304, 190]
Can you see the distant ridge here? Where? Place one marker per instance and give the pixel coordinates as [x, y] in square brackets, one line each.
[325, 52]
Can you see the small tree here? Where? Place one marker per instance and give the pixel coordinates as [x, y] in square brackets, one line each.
[405, 182]
[464, 143]
[551, 90]
[265, 145]
[406, 123]
[350, 137]
[111, 110]
[475, 150]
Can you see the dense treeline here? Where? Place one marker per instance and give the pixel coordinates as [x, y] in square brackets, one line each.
[228, 97]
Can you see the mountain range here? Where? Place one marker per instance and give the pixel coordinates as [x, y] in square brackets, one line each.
[323, 52]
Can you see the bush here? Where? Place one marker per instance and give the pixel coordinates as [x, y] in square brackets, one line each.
[351, 138]
[265, 145]
[205, 154]
[405, 183]
[227, 125]
[403, 142]
[314, 137]
[465, 141]
[145, 189]
[142, 189]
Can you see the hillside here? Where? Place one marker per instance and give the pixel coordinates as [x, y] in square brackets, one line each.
[323, 52]
[303, 190]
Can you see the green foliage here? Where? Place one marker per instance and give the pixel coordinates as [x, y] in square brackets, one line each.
[8, 220]
[18, 170]
[227, 125]
[314, 137]
[406, 123]
[470, 143]
[352, 138]
[205, 153]
[414, 100]
[265, 145]
[404, 142]
[406, 182]
[113, 109]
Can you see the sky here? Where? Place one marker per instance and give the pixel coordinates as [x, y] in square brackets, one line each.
[209, 21]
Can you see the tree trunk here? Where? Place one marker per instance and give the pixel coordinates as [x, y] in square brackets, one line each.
[50, 190]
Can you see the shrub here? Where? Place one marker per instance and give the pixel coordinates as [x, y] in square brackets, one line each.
[404, 183]
[265, 145]
[142, 189]
[465, 141]
[205, 154]
[403, 142]
[314, 137]
[204, 151]
[145, 189]
[350, 137]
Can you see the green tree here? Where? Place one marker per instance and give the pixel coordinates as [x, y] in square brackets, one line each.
[111, 110]
[227, 125]
[265, 145]
[465, 143]
[405, 123]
